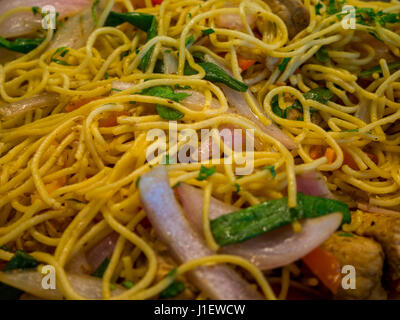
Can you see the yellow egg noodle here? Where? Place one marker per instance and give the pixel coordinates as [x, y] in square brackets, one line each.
[66, 181]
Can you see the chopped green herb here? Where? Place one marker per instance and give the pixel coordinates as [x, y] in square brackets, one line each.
[138, 181]
[208, 31]
[115, 89]
[35, 10]
[271, 170]
[112, 286]
[165, 92]
[143, 21]
[391, 66]
[168, 113]
[172, 290]
[250, 222]
[21, 260]
[318, 7]
[237, 186]
[320, 94]
[217, 75]
[20, 45]
[124, 54]
[159, 67]
[99, 272]
[322, 54]
[206, 172]
[151, 33]
[190, 15]
[61, 62]
[176, 185]
[4, 247]
[351, 130]
[283, 64]
[345, 234]
[128, 284]
[334, 7]
[61, 52]
[95, 3]
[106, 76]
[189, 41]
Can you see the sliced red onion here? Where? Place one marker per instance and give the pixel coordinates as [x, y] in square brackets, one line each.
[192, 202]
[24, 23]
[170, 63]
[268, 251]
[313, 183]
[282, 246]
[233, 21]
[78, 264]
[24, 105]
[196, 100]
[75, 31]
[237, 100]
[31, 281]
[104, 249]
[219, 281]
[121, 85]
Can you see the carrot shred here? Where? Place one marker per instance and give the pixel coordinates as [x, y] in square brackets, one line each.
[316, 152]
[330, 154]
[245, 63]
[79, 103]
[325, 266]
[111, 119]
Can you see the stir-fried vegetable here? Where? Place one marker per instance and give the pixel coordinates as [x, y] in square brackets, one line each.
[21, 260]
[245, 63]
[217, 75]
[320, 94]
[377, 69]
[325, 266]
[167, 93]
[151, 33]
[99, 272]
[171, 226]
[250, 222]
[20, 44]
[142, 21]
[270, 250]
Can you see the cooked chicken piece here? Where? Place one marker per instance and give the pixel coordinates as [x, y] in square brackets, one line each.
[367, 258]
[382, 51]
[233, 21]
[384, 228]
[293, 13]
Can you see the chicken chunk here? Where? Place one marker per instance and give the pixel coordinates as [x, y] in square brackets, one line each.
[385, 229]
[293, 13]
[367, 257]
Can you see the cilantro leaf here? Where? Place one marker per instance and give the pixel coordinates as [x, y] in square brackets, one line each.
[172, 290]
[283, 64]
[271, 170]
[208, 31]
[168, 113]
[206, 172]
[322, 54]
[165, 92]
[99, 272]
[21, 260]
